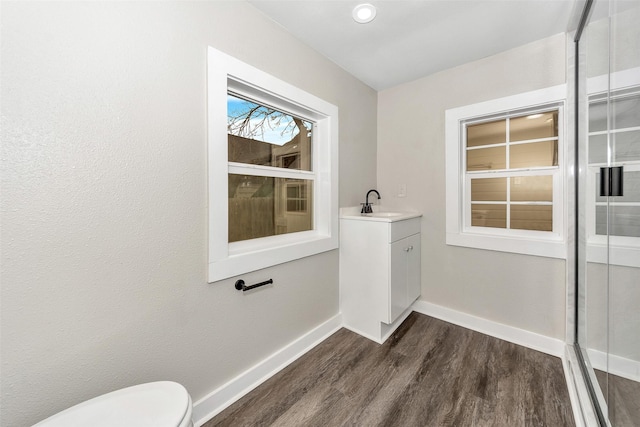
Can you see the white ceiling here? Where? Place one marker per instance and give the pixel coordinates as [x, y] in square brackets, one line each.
[410, 39]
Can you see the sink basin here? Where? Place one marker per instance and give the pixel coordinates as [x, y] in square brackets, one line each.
[383, 216]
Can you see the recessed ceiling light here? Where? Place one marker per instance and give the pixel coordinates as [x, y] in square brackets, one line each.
[364, 13]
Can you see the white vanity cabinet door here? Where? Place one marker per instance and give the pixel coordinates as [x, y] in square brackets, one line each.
[404, 280]
[398, 279]
[413, 268]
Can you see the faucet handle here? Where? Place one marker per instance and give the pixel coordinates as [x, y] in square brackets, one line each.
[366, 208]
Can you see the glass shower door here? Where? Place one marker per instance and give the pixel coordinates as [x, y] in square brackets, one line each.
[609, 270]
[623, 217]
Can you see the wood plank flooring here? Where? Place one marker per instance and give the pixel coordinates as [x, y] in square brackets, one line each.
[429, 373]
[625, 395]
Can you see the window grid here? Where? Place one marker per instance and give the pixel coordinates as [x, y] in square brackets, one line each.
[629, 165]
[297, 200]
[507, 172]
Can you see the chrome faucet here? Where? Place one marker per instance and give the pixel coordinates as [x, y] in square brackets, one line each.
[366, 206]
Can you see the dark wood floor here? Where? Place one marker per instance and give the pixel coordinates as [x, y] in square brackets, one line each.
[623, 398]
[429, 373]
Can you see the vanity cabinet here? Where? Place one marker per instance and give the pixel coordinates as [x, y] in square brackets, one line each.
[379, 273]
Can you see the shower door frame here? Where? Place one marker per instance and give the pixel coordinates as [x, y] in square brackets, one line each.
[579, 101]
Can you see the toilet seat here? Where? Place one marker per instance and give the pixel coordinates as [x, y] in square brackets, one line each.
[157, 404]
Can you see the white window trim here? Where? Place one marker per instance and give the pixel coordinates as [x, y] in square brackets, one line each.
[546, 244]
[228, 260]
[615, 250]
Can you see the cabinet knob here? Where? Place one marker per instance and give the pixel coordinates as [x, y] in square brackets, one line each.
[410, 248]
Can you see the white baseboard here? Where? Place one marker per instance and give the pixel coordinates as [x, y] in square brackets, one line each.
[390, 329]
[219, 399]
[616, 365]
[362, 333]
[583, 412]
[548, 345]
[385, 330]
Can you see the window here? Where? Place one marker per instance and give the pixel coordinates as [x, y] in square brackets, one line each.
[509, 168]
[614, 119]
[297, 199]
[259, 205]
[504, 171]
[272, 170]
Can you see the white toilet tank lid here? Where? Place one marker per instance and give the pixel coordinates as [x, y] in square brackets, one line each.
[157, 404]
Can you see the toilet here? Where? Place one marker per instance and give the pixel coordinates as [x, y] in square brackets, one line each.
[157, 404]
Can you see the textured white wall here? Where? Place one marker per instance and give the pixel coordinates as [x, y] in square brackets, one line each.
[104, 201]
[621, 53]
[523, 291]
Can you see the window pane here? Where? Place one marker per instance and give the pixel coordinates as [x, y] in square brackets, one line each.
[534, 126]
[598, 149]
[631, 187]
[598, 116]
[623, 221]
[487, 133]
[533, 154]
[532, 217]
[625, 112]
[259, 207]
[532, 188]
[292, 191]
[251, 207]
[486, 159]
[626, 146]
[489, 189]
[261, 135]
[494, 216]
